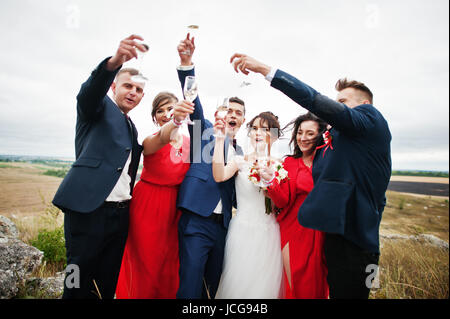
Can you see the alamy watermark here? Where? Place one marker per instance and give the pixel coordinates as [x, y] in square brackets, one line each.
[373, 279]
[72, 276]
[73, 16]
[373, 16]
[202, 143]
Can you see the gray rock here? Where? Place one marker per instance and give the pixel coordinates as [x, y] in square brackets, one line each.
[433, 240]
[424, 238]
[50, 287]
[17, 259]
[7, 228]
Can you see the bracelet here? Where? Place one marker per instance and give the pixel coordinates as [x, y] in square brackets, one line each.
[269, 183]
[176, 123]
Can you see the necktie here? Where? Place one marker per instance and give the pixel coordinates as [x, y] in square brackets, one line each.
[130, 126]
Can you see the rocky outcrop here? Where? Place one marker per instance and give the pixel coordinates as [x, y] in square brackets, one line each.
[17, 259]
[7, 228]
[423, 238]
[17, 263]
[51, 287]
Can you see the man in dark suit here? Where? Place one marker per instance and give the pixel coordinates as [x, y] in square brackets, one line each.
[206, 205]
[96, 191]
[351, 174]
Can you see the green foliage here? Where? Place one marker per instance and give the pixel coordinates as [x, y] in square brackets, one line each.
[420, 173]
[52, 243]
[6, 166]
[401, 204]
[56, 172]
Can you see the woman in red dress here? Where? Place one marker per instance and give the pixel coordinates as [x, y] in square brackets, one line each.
[150, 260]
[302, 248]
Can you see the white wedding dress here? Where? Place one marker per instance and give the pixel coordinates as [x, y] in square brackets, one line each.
[253, 264]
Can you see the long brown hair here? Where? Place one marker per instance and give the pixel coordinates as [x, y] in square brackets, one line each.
[271, 120]
[161, 99]
[297, 122]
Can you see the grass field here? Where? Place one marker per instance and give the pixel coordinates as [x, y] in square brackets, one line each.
[409, 267]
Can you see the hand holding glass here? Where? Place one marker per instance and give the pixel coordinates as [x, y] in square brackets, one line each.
[140, 77]
[221, 112]
[190, 93]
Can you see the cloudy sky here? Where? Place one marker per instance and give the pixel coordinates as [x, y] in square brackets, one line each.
[398, 48]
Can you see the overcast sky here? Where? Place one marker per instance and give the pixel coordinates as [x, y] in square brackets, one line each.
[399, 48]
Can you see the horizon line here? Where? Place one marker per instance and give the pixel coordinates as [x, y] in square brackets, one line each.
[73, 159]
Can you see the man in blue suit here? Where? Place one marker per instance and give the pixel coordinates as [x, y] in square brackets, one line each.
[96, 191]
[206, 205]
[351, 174]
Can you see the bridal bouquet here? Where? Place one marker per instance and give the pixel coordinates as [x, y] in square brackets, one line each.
[280, 175]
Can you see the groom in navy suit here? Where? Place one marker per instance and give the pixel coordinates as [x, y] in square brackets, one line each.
[351, 174]
[96, 192]
[206, 205]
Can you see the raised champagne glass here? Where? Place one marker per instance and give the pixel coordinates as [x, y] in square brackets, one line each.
[222, 111]
[190, 91]
[140, 77]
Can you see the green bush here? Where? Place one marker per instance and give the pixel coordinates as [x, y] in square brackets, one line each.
[56, 172]
[52, 243]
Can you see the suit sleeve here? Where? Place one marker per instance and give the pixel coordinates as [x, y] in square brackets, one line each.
[90, 99]
[350, 121]
[197, 116]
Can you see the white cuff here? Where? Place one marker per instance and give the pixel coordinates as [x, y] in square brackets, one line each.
[271, 74]
[185, 67]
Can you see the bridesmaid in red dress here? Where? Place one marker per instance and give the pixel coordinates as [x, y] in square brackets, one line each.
[150, 261]
[302, 248]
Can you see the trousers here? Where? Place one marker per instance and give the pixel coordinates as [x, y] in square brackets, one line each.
[350, 268]
[95, 243]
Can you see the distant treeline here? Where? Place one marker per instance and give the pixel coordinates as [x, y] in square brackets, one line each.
[421, 173]
[48, 162]
[63, 166]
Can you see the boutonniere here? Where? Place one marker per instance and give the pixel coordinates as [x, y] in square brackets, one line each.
[327, 138]
[280, 174]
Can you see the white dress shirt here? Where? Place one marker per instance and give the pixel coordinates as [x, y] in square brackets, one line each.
[121, 190]
[230, 155]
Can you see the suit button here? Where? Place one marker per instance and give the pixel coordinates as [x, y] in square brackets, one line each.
[119, 169]
[128, 149]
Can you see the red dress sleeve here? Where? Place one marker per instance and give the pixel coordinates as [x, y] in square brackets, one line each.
[279, 192]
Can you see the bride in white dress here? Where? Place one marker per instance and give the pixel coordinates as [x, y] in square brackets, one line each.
[252, 265]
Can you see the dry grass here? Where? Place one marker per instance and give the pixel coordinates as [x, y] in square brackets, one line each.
[24, 191]
[412, 215]
[421, 179]
[413, 269]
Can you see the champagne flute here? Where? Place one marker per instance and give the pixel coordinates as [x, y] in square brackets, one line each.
[262, 152]
[140, 77]
[192, 30]
[190, 91]
[222, 111]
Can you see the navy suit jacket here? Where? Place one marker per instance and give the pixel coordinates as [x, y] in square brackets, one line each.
[350, 180]
[103, 141]
[198, 192]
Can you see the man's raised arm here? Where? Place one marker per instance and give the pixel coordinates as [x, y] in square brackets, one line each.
[97, 85]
